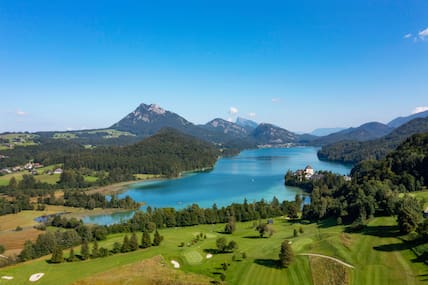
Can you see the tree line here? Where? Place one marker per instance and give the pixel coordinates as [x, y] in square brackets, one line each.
[376, 188]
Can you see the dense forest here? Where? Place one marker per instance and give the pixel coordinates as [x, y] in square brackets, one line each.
[353, 151]
[167, 153]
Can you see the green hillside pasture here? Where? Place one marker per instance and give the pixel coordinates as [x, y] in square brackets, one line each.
[377, 254]
[42, 177]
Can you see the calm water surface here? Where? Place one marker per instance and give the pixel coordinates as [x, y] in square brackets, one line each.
[253, 174]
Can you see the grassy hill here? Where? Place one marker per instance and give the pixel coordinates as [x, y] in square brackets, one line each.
[377, 254]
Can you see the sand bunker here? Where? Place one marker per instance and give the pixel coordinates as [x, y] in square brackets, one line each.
[7, 277]
[175, 263]
[36, 277]
[209, 255]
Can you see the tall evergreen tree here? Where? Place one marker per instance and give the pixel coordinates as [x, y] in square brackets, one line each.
[126, 247]
[71, 256]
[57, 255]
[84, 251]
[133, 244]
[157, 239]
[95, 251]
[145, 240]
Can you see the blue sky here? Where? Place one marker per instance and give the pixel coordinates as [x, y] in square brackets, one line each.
[298, 64]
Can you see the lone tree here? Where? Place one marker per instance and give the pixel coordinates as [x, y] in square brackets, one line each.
[262, 229]
[57, 255]
[232, 246]
[286, 254]
[231, 225]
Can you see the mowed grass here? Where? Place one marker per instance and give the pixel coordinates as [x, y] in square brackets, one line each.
[377, 254]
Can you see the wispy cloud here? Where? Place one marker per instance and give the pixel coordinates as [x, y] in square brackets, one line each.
[252, 115]
[21, 113]
[276, 100]
[418, 36]
[233, 111]
[420, 109]
[422, 34]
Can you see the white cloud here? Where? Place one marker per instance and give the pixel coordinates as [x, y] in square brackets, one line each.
[252, 115]
[230, 120]
[407, 36]
[424, 33]
[420, 109]
[275, 100]
[233, 111]
[21, 113]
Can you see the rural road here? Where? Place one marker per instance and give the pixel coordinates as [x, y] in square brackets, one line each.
[328, 257]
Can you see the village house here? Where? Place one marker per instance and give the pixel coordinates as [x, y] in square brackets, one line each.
[28, 166]
[58, 171]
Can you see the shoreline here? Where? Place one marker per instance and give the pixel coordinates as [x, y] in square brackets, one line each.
[120, 186]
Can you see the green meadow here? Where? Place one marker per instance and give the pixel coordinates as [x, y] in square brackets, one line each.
[377, 254]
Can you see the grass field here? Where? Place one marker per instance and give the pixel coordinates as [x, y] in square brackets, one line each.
[378, 255]
[18, 139]
[42, 176]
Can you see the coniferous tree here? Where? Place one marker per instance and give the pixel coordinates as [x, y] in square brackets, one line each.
[95, 251]
[116, 247]
[133, 243]
[71, 256]
[57, 255]
[157, 239]
[125, 245]
[145, 240]
[84, 251]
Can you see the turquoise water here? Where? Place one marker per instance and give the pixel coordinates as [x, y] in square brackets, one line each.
[253, 174]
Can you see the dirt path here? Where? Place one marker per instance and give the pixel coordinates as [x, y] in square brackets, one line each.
[328, 257]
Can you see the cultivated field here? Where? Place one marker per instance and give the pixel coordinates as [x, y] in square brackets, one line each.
[377, 254]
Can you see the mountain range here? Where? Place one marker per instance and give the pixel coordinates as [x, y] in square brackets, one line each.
[402, 120]
[147, 120]
[355, 151]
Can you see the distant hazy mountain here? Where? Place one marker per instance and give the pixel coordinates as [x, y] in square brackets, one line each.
[353, 151]
[364, 132]
[227, 128]
[402, 120]
[147, 120]
[247, 124]
[325, 131]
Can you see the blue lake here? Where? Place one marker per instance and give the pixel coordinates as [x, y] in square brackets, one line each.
[253, 174]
